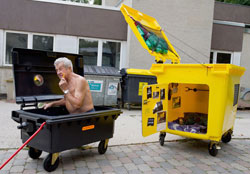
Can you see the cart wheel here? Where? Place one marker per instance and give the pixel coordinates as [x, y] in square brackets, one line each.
[128, 107]
[213, 151]
[47, 163]
[34, 153]
[226, 137]
[162, 138]
[101, 147]
[119, 104]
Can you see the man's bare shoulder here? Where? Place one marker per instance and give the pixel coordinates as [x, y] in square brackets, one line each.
[80, 79]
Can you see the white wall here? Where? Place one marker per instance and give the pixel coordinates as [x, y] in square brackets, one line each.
[113, 3]
[67, 44]
[1, 47]
[245, 60]
[236, 58]
[184, 21]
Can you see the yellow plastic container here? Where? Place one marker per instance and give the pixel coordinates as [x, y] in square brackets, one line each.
[210, 89]
[187, 93]
[149, 23]
[143, 72]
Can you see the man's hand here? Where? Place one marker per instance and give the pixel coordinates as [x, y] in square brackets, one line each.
[63, 84]
[47, 105]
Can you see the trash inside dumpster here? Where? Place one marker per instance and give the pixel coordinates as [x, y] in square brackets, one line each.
[191, 100]
[36, 81]
[132, 83]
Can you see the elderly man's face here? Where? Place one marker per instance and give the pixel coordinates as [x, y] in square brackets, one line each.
[61, 70]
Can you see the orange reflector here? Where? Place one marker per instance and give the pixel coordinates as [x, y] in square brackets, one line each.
[84, 128]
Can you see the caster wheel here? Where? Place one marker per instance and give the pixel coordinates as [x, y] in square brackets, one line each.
[101, 147]
[47, 163]
[129, 107]
[162, 139]
[213, 151]
[34, 153]
[226, 137]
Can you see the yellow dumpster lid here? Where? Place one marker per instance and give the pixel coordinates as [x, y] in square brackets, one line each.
[150, 35]
[139, 72]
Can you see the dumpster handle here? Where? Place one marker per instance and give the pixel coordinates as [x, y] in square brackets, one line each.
[40, 128]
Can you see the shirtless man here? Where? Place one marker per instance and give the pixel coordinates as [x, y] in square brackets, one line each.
[77, 96]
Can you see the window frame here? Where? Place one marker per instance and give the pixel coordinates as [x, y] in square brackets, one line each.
[91, 39]
[100, 48]
[4, 44]
[41, 34]
[29, 42]
[215, 53]
[105, 40]
[103, 6]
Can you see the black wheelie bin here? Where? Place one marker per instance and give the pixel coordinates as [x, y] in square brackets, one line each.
[36, 81]
[132, 83]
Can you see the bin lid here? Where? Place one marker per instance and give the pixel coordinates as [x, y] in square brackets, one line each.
[35, 77]
[150, 35]
[101, 70]
[143, 72]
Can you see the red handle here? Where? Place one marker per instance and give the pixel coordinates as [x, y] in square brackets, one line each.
[40, 128]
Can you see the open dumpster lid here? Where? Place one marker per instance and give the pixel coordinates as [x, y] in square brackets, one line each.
[35, 77]
[150, 35]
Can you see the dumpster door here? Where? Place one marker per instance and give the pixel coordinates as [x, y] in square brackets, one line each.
[154, 109]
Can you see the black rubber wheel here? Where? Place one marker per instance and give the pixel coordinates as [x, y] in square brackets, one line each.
[119, 104]
[34, 153]
[101, 147]
[213, 151]
[129, 107]
[162, 139]
[47, 163]
[226, 138]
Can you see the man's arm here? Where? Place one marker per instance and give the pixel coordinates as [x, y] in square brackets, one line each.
[55, 103]
[76, 99]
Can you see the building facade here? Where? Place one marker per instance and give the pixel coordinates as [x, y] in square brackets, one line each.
[231, 37]
[200, 32]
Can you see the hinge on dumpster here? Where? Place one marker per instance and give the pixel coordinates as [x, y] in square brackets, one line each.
[24, 104]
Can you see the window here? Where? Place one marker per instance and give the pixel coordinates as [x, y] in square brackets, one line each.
[111, 54]
[26, 40]
[89, 49]
[211, 57]
[221, 57]
[247, 28]
[14, 40]
[43, 42]
[96, 2]
[100, 52]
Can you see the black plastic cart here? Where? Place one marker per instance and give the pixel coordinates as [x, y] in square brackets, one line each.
[36, 81]
[132, 83]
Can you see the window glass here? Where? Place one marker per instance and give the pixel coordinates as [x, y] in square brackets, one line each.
[89, 49]
[14, 40]
[211, 57]
[96, 2]
[223, 57]
[111, 54]
[43, 42]
[247, 28]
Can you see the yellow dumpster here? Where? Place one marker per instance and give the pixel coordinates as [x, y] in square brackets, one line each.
[191, 100]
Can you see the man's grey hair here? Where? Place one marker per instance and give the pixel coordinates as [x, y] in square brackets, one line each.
[67, 63]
